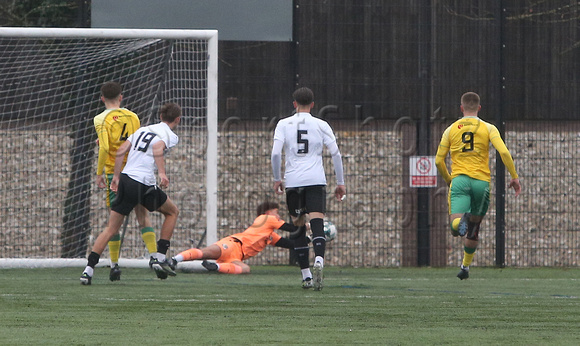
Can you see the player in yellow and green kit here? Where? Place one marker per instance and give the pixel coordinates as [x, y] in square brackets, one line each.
[467, 140]
[114, 126]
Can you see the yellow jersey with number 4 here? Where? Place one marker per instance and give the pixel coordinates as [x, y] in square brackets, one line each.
[113, 127]
[467, 140]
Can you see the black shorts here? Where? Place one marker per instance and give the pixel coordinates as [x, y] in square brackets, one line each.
[132, 192]
[306, 199]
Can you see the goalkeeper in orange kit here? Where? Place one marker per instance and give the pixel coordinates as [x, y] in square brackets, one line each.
[231, 251]
[468, 141]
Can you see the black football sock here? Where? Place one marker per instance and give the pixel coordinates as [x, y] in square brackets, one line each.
[318, 239]
[163, 246]
[93, 259]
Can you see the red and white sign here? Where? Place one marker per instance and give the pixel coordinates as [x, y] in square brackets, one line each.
[422, 171]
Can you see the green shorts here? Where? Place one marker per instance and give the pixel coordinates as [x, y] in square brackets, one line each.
[109, 195]
[468, 195]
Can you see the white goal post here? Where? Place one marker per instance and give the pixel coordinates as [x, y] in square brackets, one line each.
[51, 78]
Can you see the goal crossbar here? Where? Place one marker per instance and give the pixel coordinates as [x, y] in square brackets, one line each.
[108, 33]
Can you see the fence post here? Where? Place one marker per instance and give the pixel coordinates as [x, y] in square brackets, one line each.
[500, 188]
[424, 131]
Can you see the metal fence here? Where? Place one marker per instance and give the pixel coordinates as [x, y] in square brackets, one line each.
[396, 71]
[392, 73]
[379, 222]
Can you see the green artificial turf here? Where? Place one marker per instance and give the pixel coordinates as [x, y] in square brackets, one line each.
[408, 306]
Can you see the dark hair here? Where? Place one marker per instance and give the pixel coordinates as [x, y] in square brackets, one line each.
[265, 206]
[111, 90]
[303, 96]
[169, 112]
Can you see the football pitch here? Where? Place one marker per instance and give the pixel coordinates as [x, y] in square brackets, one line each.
[408, 306]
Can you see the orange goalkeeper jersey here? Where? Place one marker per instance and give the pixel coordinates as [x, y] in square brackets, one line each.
[259, 235]
[113, 127]
[467, 140]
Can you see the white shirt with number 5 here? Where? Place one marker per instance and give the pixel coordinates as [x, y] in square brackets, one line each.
[303, 138]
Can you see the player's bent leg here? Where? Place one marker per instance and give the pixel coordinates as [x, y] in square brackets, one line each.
[318, 238]
[87, 274]
[302, 257]
[470, 246]
[171, 212]
[149, 238]
[319, 246]
[454, 223]
[115, 222]
[463, 224]
[114, 251]
[189, 255]
[147, 230]
[158, 261]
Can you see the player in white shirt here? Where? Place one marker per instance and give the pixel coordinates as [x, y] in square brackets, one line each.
[303, 138]
[137, 185]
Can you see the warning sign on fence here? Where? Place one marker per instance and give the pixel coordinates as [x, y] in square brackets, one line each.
[423, 172]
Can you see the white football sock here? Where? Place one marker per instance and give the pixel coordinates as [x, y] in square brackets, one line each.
[306, 273]
[89, 270]
[319, 259]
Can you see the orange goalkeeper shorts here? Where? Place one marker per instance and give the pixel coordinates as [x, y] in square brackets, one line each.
[231, 250]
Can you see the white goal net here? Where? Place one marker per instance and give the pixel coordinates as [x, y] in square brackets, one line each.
[50, 205]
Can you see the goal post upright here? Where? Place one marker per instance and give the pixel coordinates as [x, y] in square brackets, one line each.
[212, 142]
[211, 94]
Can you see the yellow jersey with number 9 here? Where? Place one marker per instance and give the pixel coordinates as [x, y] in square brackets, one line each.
[113, 127]
[467, 140]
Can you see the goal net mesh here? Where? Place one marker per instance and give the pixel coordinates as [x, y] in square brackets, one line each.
[51, 206]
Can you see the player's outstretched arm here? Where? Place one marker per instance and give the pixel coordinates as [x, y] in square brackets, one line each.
[285, 243]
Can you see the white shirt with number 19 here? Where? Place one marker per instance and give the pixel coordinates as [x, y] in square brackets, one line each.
[140, 162]
[303, 138]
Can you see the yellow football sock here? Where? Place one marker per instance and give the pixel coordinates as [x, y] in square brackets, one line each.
[468, 253]
[148, 235]
[115, 248]
[455, 224]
